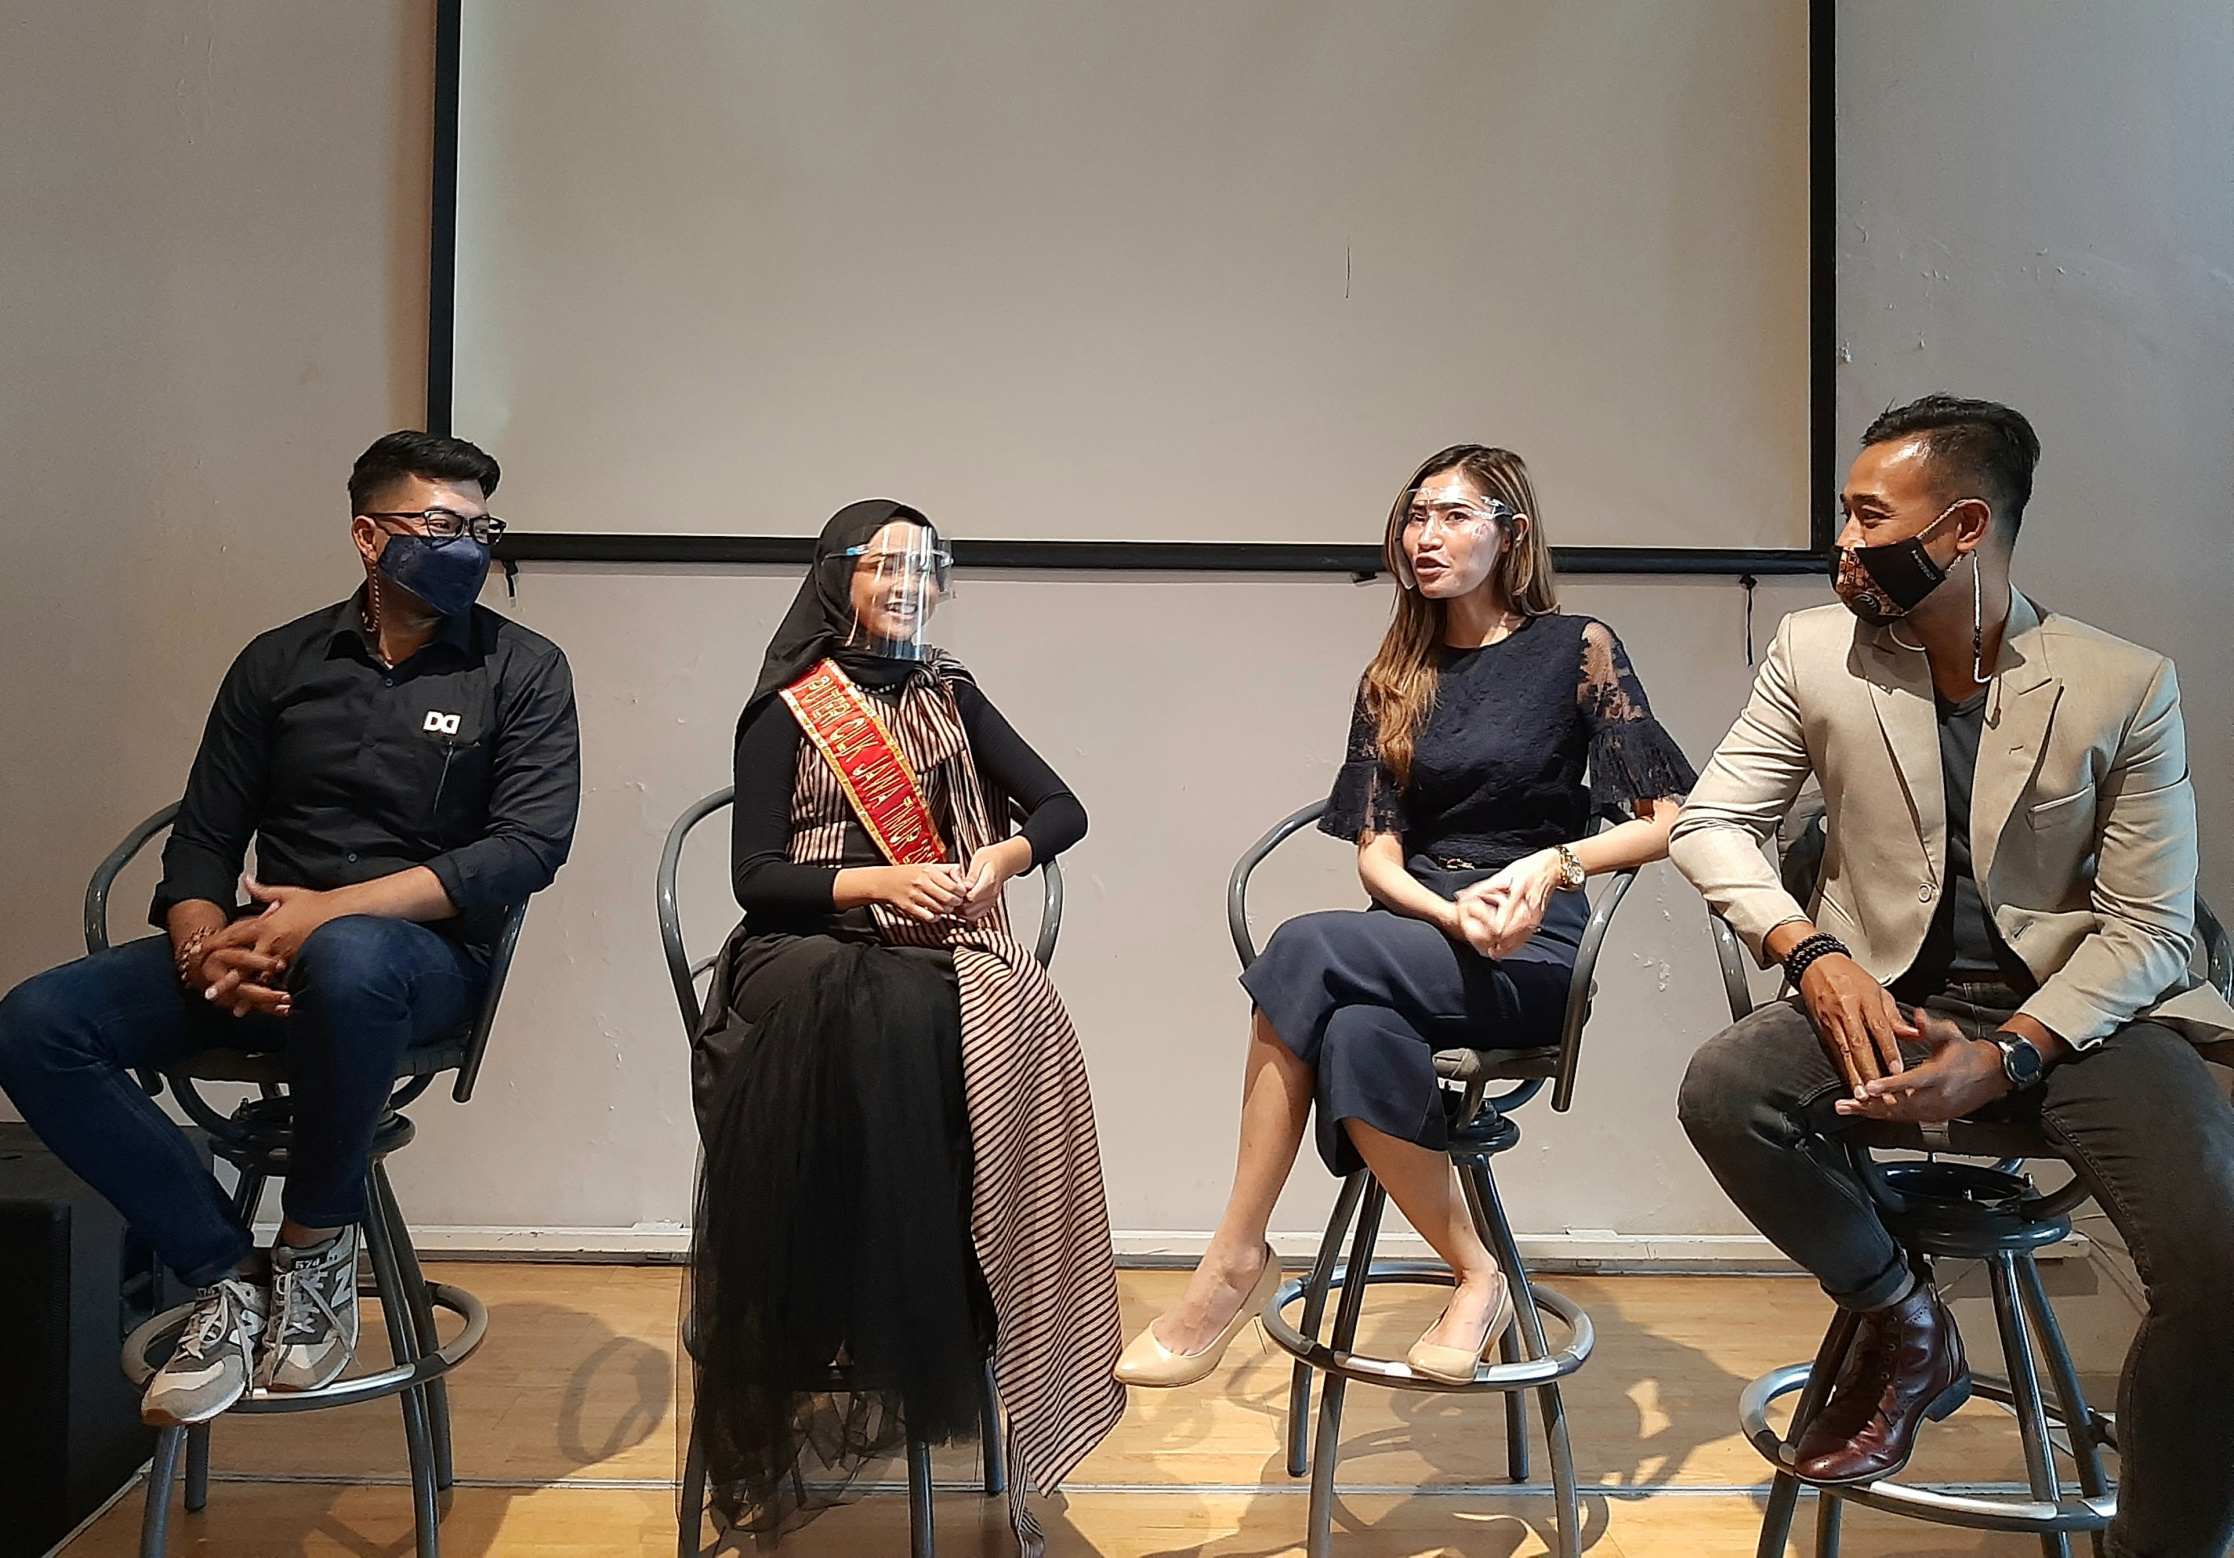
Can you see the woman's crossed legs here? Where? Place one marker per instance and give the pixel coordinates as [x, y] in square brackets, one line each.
[1275, 1108]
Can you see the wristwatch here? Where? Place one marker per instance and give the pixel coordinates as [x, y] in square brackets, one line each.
[2021, 1063]
[1571, 873]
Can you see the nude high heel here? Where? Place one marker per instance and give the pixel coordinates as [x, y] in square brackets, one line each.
[1455, 1365]
[1149, 1362]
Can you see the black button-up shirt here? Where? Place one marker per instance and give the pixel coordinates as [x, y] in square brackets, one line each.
[463, 759]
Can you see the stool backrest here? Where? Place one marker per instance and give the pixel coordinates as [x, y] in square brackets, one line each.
[103, 882]
[1580, 988]
[684, 973]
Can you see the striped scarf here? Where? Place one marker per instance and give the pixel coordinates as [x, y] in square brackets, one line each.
[1038, 1219]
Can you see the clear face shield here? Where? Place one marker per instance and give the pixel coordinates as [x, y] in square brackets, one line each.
[1452, 523]
[898, 579]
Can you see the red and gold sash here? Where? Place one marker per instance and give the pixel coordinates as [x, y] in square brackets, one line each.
[844, 726]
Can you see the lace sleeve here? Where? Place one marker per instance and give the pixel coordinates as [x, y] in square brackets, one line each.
[1632, 758]
[1365, 796]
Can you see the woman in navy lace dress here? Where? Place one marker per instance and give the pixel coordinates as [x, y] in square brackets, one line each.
[1488, 729]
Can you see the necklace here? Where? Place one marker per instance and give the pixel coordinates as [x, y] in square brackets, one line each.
[369, 614]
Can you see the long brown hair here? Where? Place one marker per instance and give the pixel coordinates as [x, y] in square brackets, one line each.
[1400, 683]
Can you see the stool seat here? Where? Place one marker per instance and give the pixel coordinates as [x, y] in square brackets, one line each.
[268, 1068]
[1964, 1211]
[1498, 1065]
[1963, 1138]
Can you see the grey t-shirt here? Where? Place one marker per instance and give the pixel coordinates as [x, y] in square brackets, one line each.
[1963, 944]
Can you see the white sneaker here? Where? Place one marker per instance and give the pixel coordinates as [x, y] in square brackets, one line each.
[215, 1357]
[312, 1332]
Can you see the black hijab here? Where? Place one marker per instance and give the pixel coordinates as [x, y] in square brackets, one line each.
[821, 614]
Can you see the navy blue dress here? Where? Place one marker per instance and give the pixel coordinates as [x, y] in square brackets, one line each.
[1528, 737]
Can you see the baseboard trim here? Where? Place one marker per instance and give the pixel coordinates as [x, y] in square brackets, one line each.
[1579, 1250]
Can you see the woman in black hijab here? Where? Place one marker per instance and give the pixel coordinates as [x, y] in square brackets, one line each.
[843, 1218]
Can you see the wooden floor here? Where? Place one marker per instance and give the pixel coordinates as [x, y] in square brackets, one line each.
[565, 1424]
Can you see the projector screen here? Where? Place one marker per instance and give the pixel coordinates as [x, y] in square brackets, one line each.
[1135, 271]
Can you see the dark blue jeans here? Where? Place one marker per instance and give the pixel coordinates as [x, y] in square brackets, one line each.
[366, 991]
[2138, 1118]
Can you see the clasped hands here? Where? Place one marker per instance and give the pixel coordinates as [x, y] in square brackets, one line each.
[243, 964]
[948, 891]
[1497, 917]
[1862, 1028]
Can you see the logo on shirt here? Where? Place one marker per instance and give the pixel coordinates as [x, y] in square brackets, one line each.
[440, 724]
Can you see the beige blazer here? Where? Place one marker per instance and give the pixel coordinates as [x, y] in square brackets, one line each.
[2082, 818]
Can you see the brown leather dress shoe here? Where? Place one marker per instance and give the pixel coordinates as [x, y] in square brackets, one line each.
[1906, 1364]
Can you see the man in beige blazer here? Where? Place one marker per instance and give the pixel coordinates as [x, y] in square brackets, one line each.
[2004, 922]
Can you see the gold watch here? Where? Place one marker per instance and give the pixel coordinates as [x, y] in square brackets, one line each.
[1571, 873]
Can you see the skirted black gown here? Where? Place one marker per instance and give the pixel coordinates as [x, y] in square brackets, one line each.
[833, 1218]
[1528, 736]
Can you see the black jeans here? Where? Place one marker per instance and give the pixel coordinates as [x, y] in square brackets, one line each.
[366, 991]
[2139, 1118]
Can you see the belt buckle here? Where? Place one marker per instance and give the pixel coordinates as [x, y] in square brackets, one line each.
[1453, 863]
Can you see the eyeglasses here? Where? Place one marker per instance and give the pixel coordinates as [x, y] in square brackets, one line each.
[912, 565]
[1452, 515]
[448, 524]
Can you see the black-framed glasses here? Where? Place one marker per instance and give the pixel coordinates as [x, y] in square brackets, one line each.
[449, 524]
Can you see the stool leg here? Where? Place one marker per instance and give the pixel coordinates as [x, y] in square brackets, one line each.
[1828, 1507]
[395, 1309]
[197, 1468]
[422, 1322]
[1473, 1173]
[1489, 1214]
[2024, 1386]
[1315, 1289]
[921, 1542]
[162, 1471]
[990, 1441]
[1784, 1489]
[1776, 1520]
[2078, 1417]
[247, 1195]
[1319, 1539]
[690, 1502]
[1516, 1413]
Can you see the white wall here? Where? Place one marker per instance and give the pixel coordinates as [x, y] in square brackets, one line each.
[2036, 204]
[1189, 714]
[212, 297]
[209, 303]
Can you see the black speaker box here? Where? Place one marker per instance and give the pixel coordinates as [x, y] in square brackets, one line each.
[73, 1282]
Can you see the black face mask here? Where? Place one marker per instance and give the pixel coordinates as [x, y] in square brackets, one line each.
[1882, 584]
[447, 575]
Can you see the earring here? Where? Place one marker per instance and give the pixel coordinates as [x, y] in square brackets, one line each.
[1977, 625]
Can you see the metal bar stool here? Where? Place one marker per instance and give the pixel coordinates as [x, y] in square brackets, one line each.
[1939, 1209]
[685, 973]
[1480, 1127]
[254, 1139]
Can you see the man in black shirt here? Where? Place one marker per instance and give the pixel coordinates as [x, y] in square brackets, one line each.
[407, 765]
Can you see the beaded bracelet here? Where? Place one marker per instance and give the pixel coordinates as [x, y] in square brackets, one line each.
[188, 959]
[1804, 956]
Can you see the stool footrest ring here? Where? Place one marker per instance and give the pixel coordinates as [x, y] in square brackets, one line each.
[1528, 1374]
[147, 1347]
[1972, 1511]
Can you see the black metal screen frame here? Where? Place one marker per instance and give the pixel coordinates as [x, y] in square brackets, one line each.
[1183, 556]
